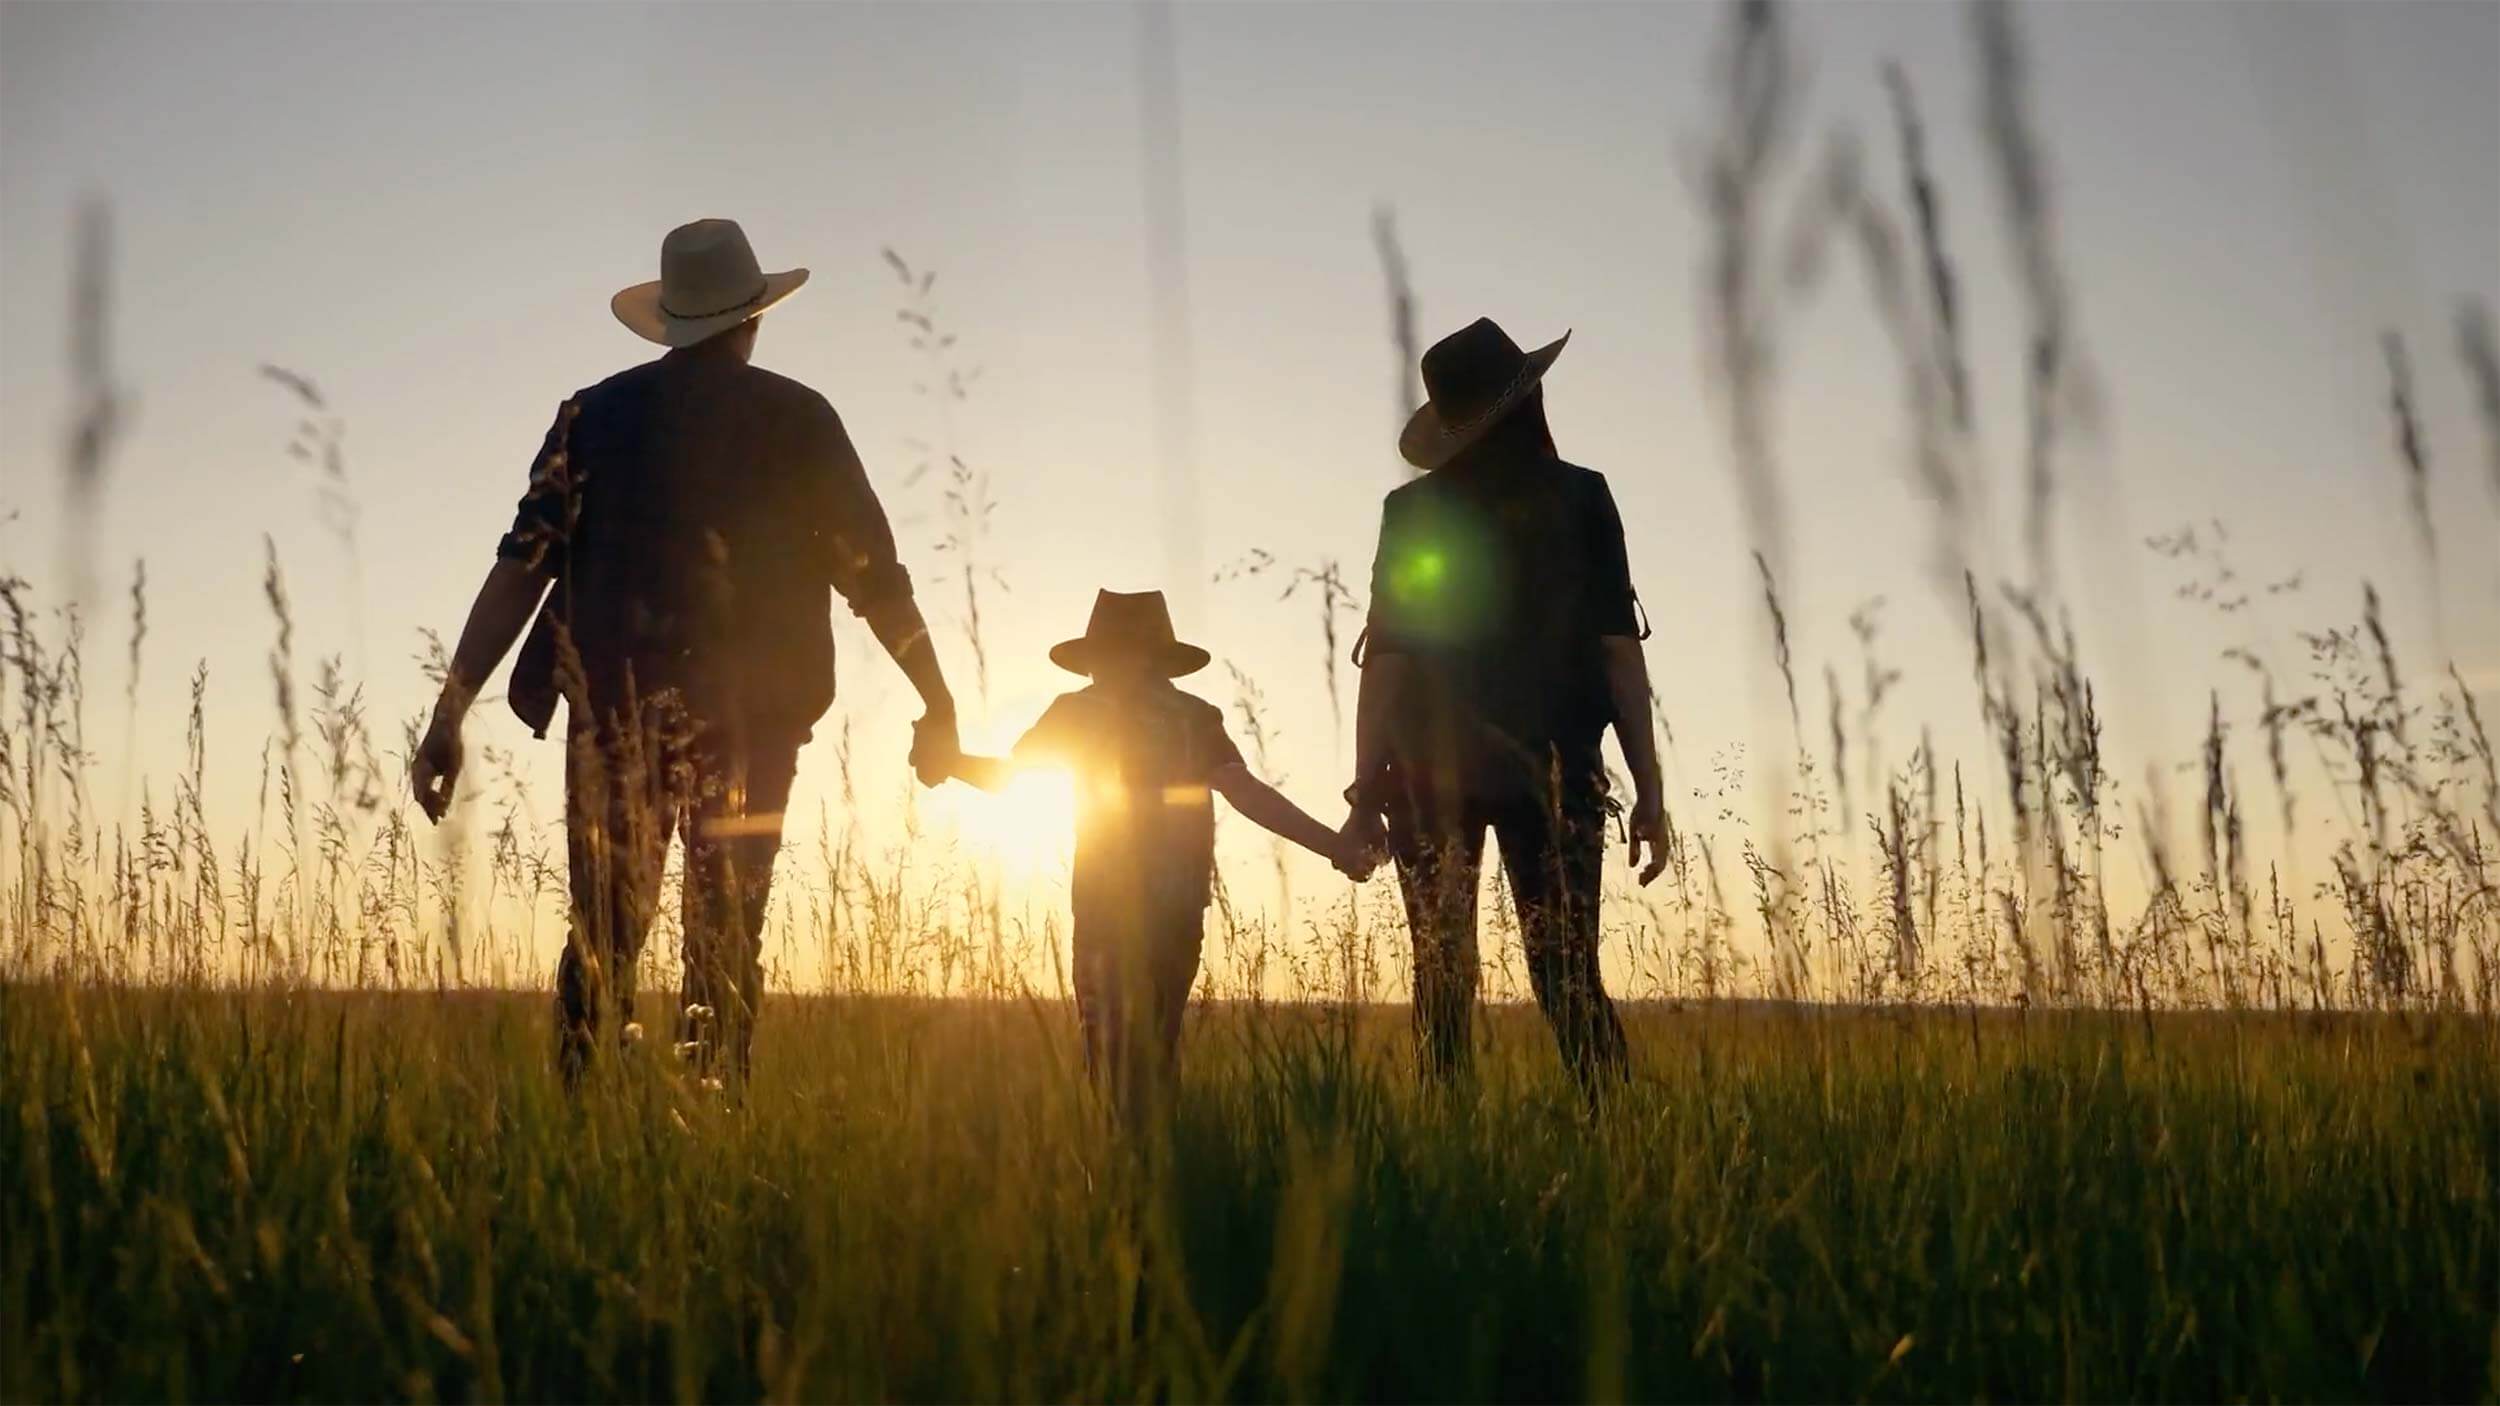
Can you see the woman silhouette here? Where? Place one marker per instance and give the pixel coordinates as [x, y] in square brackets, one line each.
[1504, 639]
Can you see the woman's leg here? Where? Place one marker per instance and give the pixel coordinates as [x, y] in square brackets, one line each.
[1554, 852]
[1440, 856]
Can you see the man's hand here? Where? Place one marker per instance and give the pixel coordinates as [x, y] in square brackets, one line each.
[935, 747]
[1648, 826]
[435, 770]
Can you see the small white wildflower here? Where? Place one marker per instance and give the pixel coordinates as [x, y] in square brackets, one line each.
[698, 1012]
[633, 1032]
[712, 1085]
[687, 1049]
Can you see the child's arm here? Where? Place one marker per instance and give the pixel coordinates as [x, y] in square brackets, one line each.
[988, 773]
[1272, 811]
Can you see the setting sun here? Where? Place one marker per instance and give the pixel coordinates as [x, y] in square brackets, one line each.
[1030, 827]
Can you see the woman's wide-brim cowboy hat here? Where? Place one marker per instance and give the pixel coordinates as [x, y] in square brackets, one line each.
[1474, 377]
[709, 282]
[1135, 625]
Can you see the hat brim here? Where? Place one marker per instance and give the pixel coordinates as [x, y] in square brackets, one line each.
[1080, 656]
[639, 309]
[1429, 441]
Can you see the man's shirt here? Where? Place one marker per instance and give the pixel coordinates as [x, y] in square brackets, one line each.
[695, 512]
[1143, 761]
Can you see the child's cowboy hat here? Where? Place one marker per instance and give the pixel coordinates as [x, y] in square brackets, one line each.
[709, 282]
[1131, 624]
[1474, 377]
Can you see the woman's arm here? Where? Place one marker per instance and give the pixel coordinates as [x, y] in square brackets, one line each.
[1385, 678]
[1627, 690]
[1375, 704]
[1619, 631]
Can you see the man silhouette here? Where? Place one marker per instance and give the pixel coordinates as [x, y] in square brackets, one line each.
[691, 514]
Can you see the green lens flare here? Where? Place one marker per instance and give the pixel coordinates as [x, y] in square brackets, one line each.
[1421, 574]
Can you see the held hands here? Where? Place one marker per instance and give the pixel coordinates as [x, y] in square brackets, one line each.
[1360, 844]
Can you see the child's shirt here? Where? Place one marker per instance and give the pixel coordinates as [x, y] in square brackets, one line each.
[1142, 759]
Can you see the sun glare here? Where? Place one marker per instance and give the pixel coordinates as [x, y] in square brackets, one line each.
[1028, 828]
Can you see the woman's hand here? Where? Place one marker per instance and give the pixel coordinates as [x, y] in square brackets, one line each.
[1648, 826]
[1357, 855]
[1361, 842]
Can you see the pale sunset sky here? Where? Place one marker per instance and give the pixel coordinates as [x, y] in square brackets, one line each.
[425, 210]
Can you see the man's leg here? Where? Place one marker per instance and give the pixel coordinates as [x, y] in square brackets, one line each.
[1440, 856]
[1554, 852]
[616, 828]
[733, 835]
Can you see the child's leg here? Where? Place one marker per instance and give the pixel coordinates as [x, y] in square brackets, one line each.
[1132, 986]
[1175, 946]
[1097, 995]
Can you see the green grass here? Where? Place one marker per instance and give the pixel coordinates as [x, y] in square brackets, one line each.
[328, 1196]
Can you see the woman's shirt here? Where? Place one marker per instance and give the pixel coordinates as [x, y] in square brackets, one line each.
[1499, 579]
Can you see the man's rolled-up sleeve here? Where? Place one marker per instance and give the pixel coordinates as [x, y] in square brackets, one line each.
[544, 520]
[856, 540]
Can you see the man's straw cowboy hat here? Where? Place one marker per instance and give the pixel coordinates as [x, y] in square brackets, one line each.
[709, 282]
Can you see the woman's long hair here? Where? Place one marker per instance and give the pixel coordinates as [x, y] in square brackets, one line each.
[1523, 434]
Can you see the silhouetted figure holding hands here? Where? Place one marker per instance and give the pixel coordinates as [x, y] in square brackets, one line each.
[693, 514]
[1147, 758]
[1504, 640]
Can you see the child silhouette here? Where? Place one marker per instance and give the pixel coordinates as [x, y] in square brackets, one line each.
[1147, 758]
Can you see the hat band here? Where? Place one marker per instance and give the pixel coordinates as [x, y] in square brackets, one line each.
[761, 288]
[1451, 428]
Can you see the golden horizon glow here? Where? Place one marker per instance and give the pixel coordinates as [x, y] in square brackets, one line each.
[1028, 829]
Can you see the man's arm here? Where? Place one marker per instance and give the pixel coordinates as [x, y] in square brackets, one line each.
[505, 601]
[868, 572]
[1627, 690]
[897, 623]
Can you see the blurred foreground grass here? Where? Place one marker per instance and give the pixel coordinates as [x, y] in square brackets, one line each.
[337, 1195]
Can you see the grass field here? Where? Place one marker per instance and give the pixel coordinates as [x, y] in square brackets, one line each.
[331, 1196]
[2055, 1085]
